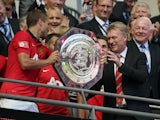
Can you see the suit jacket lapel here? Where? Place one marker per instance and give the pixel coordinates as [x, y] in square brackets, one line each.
[132, 50]
[129, 56]
[152, 54]
[14, 25]
[96, 26]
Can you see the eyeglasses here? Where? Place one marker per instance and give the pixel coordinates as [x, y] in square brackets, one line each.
[107, 6]
[87, 3]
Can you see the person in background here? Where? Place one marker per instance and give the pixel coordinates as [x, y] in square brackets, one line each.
[10, 9]
[156, 18]
[8, 27]
[141, 9]
[26, 55]
[141, 31]
[100, 22]
[56, 18]
[61, 5]
[156, 21]
[87, 11]
[48, 75]
[99, 99]
[103, 43]
[122, 11]
[73, 22]
[130, 27]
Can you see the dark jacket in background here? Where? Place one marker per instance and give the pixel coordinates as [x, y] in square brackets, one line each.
[3, 45]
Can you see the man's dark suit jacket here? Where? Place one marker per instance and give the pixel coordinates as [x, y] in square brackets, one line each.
[3, 45]
[73, 22]
[117, 13]
[134, 82]
[157, 38]
[91, 25]
[155, 19]
[35, 6]
[155, 63]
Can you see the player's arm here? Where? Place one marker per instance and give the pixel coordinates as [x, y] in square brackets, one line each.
[28, 63]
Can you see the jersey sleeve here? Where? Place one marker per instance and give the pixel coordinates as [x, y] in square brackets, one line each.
[21, 42]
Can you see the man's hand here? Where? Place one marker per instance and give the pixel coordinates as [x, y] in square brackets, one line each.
[114, 58]
[54, 57]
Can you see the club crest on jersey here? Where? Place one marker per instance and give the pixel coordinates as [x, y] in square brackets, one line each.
[24, 44]
[40, 51]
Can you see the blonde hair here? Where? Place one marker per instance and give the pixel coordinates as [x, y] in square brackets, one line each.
[9, 2]
[61, 29]
[56, 9]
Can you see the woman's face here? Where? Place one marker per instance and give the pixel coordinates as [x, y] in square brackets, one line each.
[55, 18]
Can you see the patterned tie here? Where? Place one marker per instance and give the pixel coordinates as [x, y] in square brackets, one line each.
[143, 49]
[105, 26]
[119, 86]
[126, 16]
[6, 31]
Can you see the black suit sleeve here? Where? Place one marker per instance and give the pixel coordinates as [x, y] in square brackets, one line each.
[139, 72]
[3, 45]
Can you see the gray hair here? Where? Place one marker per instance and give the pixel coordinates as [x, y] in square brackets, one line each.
[118, 25]
[141, 4]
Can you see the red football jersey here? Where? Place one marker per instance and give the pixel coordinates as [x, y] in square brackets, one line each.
[49, 76]
[97, 100]
[3, 61]
[22, 43]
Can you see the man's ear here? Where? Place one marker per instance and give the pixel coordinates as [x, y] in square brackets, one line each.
[125, 37]
[40, 22]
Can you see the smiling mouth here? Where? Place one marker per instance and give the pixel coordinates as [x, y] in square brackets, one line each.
[54, 25]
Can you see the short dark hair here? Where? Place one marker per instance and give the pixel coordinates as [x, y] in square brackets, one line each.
[101, 37]
[49, 36]
[33, 17]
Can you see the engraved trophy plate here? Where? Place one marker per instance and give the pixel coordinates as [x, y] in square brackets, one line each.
[80, 65]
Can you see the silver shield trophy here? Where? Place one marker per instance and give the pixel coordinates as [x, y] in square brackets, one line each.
[80, 58]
